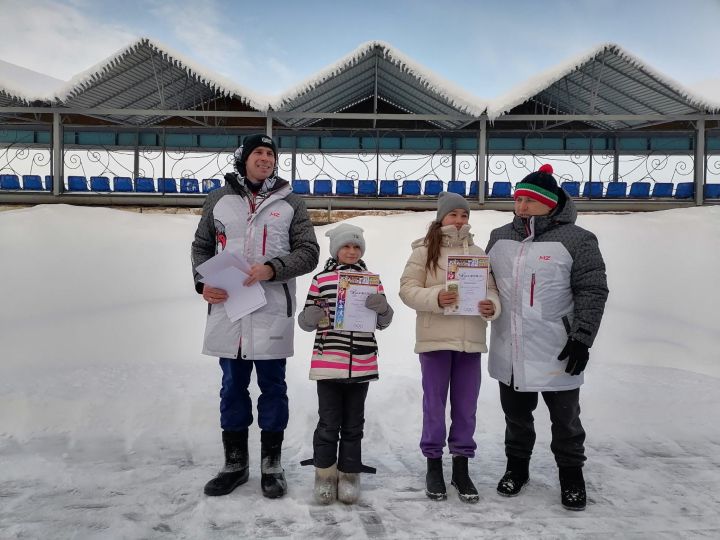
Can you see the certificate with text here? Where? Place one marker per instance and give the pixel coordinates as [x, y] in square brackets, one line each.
[351, 315]
[468, 275]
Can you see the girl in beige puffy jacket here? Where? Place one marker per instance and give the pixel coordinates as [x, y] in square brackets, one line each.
[449, 345]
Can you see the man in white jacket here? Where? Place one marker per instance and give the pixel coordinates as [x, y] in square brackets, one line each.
[255, 213]
[553, 288]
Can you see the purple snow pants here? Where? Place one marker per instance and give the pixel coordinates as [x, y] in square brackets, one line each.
[460, 373]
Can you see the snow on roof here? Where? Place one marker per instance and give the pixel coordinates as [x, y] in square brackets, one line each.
[25, 84]
[533, 86]
[217, 82]
[456, 96]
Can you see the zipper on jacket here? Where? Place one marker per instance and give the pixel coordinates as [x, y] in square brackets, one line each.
[288, 300]
[532, 290]
[264, 238]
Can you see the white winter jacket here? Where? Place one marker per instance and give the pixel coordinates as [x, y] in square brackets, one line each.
[435, 331]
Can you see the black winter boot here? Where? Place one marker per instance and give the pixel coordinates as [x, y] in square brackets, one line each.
[461, 480]
[272, 480]
[572, 488]
[236, 470]
[515, 478]
[434, 480]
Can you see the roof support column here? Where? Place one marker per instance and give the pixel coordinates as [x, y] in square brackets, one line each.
[700, 162]
[616, 160]
[482, 156]
[57, 154]
[268, 125]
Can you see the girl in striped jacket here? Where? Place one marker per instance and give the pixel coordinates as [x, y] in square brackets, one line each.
[343, 363]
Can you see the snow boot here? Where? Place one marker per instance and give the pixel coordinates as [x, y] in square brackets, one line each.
[235, 472]
[348, 487]
[461, 480]
[326, 484]
[572, 488]
[515, 478]
[434, 480]
[272, 479]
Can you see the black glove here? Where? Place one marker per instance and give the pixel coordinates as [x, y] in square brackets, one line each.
[577, 354]
[377, 302]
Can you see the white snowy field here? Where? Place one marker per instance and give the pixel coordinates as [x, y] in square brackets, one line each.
[109, 413]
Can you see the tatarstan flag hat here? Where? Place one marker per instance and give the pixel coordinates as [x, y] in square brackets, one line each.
[540, 186]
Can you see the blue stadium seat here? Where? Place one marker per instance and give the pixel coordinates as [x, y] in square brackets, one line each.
[144, 185]
[9, 181]
[122, 184]
[167, 185]
[32, 182]
[571, 188]
[712, 191]
[432, 187]
[501, 190]
[367, 188]
[99, 183]
[639, 190]
[189, 185]
[344, 187]
[593, 190]
[616, 190]
[457, 186]
[210, 184]
[474, 189]
[411, 187]
[77, 183]
[48, 182]
[322, 187]
[388, 188]
[685, 190]
[662, 189]
[301, 187]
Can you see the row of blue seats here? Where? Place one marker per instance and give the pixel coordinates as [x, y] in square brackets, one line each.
[502, 190]
[639, 190]
[499, 190]
[102, 184]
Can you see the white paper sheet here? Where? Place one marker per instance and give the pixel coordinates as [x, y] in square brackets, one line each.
[227, 270]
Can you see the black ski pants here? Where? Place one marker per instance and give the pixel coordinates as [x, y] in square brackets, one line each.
[341, 407]
[568, 434]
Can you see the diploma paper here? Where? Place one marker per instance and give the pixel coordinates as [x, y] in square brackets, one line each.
[351, 315]
[469, 273]
[228, 271]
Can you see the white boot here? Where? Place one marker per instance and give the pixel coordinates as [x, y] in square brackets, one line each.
[348, 487]
[326, 484]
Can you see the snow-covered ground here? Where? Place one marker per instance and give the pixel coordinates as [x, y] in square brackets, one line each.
[109, 421]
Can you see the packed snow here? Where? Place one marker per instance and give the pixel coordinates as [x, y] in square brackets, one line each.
[109, 413]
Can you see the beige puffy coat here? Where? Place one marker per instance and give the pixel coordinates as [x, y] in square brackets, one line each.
[419, 290]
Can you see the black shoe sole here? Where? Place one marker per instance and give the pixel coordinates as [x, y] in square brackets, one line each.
[574, 508]
[436, 496]
[471, 499]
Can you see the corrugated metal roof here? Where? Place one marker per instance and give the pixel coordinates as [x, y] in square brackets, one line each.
[145, 75]
[607, 81]
[399, 81]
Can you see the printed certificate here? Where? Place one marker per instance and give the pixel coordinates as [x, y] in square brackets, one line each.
[468, 275]
[351, 315]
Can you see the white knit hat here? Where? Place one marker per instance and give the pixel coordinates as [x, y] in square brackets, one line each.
[345, 234]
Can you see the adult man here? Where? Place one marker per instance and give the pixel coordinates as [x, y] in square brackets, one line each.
[257, 215]
[553, 288]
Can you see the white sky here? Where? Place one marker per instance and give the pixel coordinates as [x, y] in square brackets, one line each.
[485, 48]
[109, 420]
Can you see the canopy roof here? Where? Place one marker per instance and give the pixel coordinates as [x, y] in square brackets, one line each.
[148, 76]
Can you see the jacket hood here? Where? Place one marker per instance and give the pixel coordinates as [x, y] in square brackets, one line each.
[270, 185]
[451, 236]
